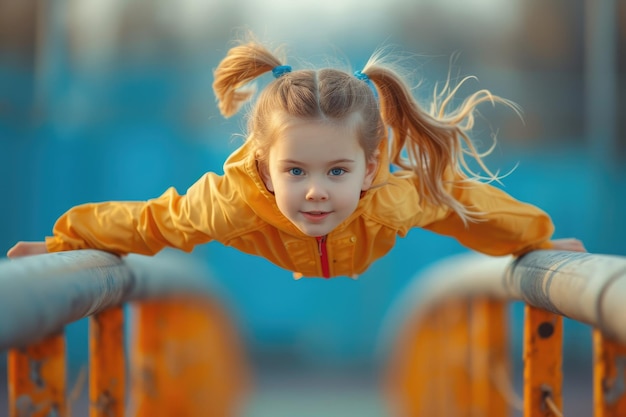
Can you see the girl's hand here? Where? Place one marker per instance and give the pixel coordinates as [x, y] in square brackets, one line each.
[26, 249]
[568, 244]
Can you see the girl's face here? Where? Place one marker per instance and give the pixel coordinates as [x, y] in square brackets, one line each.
[317, 171]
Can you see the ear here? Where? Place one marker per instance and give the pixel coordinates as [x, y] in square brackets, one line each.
[371, 168]
[265, 175]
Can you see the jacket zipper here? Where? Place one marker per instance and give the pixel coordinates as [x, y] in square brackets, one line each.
[321, 246]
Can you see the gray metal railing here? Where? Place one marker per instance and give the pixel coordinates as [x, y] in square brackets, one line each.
[589, 288]
[183, 342]
[449, 328]
[41, 294]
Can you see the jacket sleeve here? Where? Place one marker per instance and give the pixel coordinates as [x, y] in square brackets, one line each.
[505, 227]
[145, 227]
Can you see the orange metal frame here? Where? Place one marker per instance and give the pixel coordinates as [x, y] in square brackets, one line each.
[185, 360]
[454, 360]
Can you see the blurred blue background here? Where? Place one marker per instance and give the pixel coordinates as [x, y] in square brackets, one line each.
[113, 101]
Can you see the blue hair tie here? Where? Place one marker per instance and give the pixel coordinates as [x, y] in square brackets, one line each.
[281, 70]
[363, 77]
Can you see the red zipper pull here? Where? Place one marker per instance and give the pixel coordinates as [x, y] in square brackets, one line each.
[321, 246]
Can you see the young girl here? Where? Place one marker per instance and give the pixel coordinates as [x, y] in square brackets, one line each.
[311, 189]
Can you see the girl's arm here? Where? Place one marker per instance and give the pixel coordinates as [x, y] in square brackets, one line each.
[130, 227]
[179, 221]
[506, 226]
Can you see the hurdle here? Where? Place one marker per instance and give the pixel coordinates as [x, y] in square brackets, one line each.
[447, 336]
[161, 339]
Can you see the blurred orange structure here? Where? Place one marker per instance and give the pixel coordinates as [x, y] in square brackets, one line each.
[185, 357]
[450, 355]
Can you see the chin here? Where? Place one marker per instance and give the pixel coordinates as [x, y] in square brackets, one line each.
[315, 231]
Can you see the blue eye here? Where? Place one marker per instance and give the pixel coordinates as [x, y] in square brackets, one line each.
[296, 171]
[337, 171]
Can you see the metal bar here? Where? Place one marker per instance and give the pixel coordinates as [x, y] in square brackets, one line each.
[479, 350]
[453, 380]
[41, 294]
[198, 363]
[428, 371]
[185, 361]
[37, 379]
[489, 358]
[46, 292]
[589, 288]
[543, 374]
[452, 361]
[107, 364]
[609, 377]
[585, 287]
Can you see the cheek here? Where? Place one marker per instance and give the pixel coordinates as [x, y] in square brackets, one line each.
[349, 194]
[284, 193]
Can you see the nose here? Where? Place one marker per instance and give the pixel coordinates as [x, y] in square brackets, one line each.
[316, 191]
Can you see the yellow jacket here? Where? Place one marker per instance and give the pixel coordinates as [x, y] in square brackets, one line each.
[237, 210]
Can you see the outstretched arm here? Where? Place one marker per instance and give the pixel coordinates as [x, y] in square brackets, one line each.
[179, 221]
[130, 227]
[507, 226]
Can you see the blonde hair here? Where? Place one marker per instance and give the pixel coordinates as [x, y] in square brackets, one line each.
[431, 144]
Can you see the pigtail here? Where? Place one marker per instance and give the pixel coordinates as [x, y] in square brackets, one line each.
[242, 64]
[435, 142]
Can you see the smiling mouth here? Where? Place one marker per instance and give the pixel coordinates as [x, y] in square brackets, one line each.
[315, 215]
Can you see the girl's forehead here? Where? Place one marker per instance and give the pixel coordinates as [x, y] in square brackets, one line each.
[298, 127]
[317, 140]
[301, 130]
